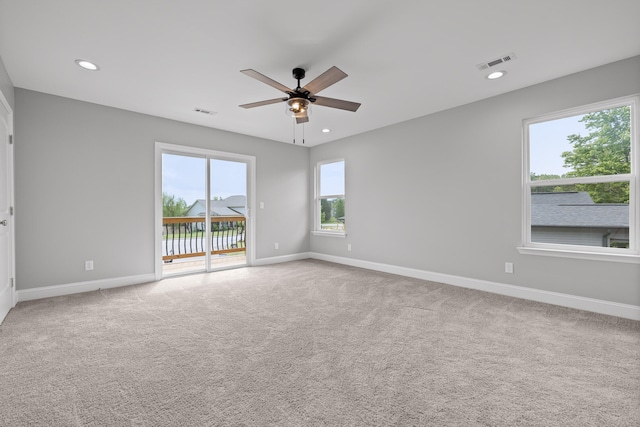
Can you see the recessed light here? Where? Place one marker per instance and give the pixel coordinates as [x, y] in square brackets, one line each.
[496, 75]
[326, 130]
[87, 65]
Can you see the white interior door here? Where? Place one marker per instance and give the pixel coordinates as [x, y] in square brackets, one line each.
[6, 219]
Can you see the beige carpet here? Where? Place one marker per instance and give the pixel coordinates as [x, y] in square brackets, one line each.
[309, 343]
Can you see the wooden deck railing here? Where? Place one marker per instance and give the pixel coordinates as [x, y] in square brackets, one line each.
[185, 237]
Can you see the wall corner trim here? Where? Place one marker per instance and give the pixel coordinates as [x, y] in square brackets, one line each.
[79, 287]
[611, 308]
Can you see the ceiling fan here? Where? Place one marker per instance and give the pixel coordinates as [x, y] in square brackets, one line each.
[300, 98]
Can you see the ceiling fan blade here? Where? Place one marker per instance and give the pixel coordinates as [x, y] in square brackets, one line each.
[264, 79]
[324, 80]
[336, 103]
[261, 103]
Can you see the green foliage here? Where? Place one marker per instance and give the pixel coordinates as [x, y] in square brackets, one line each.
[325, 209]
[172, 207]
[331, 210]
[607, 192]
[338, 206]
[543, 176]
[606, 150]
[550, 189]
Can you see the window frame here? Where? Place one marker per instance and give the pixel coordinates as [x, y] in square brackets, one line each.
[317, 228]
[632, 254]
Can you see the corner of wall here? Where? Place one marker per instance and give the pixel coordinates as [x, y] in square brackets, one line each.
[6, 86]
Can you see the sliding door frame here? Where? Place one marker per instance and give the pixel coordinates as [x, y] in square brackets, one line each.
[161, 148]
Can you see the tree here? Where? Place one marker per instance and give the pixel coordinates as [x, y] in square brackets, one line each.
[172, 207]
[338, 206]
[325, 209]
[543, 176]
[550, 189]
[606, 150]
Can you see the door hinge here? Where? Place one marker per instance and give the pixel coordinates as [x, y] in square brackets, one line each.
[10, 139]
[11, 210]
[12, 282]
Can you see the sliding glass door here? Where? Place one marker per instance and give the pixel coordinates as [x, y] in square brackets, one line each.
[205, 210]
[228, 208]
[183, 207]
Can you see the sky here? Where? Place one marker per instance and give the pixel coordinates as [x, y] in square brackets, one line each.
[185, 177]
[548, 140]
[332, 178]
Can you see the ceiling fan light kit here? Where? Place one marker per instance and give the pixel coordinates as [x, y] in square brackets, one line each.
[297, 106]
[299, 100]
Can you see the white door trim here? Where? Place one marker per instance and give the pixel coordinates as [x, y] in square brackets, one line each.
[162, 147]
[10, 195]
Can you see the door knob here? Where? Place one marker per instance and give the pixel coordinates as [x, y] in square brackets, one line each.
[3, 222]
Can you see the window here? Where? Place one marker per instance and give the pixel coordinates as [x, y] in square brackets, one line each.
[581, 182]
[329, 211]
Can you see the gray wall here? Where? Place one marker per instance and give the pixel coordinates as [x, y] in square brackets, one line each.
[6, 87]
[85, 189]
[442, 193]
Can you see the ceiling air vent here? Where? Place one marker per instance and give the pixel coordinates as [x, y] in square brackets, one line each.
[203, 111]
[505, 58]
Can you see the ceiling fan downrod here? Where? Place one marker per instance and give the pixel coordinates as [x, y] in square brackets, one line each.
[298, 74]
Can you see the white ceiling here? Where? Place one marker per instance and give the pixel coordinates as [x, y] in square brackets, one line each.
[404, 58]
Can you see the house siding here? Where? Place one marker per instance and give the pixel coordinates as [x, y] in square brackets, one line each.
[582, 236]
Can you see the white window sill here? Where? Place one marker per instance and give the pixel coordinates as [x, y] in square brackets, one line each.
[338, 234]
[594, 256]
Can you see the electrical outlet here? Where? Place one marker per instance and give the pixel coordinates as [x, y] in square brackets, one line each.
[349, 246]
[88, 265]
[508, 267]
[261, 205]
[275, 246]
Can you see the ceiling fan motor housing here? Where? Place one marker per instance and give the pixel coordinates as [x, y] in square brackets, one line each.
[298, 73]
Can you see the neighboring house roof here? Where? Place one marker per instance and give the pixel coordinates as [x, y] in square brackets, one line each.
[616, 216]
[222, 211]
[564, 210]
[231, 206]
[235, 201]
[562, 198]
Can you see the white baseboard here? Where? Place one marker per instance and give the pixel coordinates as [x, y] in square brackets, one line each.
[94, 285]
[284, 258]
[626, 311]
[75, 288]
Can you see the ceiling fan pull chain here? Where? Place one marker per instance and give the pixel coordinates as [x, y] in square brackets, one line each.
[303, 134]
[293, 122]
